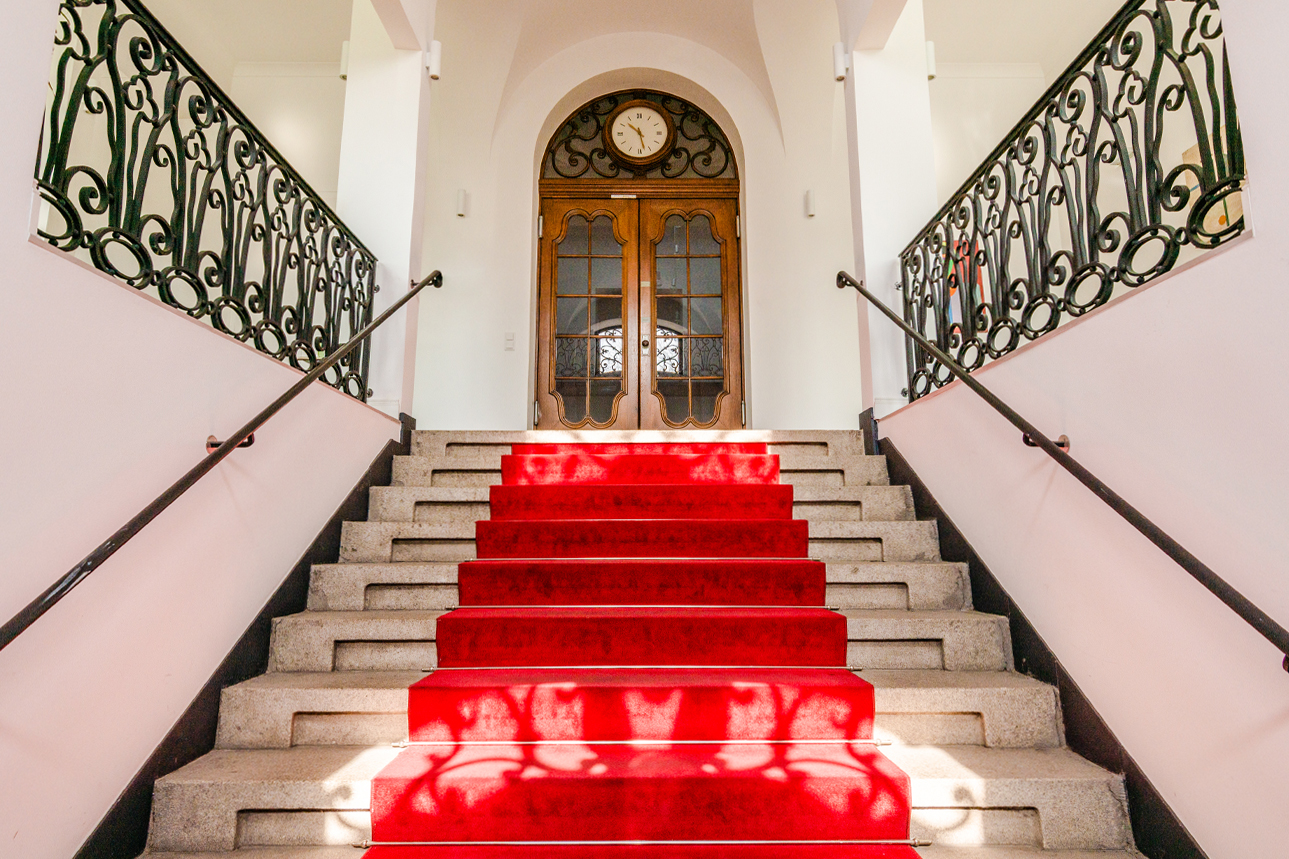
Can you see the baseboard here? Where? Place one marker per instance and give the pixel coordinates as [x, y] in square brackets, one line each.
[123, 832]
[868, 429]
[1158, 832]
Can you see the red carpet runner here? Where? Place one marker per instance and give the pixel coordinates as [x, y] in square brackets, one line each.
[641, 655]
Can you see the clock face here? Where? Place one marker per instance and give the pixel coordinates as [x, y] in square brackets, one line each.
[640, 133]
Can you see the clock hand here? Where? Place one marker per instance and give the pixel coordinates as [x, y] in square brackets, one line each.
[639, 132]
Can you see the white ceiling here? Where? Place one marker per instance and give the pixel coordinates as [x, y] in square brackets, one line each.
[1048, 32]
[726, 26]
[222, 33]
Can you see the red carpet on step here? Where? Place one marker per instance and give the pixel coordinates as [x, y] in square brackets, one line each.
[642, 654]
[689, 851]
[642, 581]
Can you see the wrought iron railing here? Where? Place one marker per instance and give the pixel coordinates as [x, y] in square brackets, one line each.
[1129, 164]
[149, 171]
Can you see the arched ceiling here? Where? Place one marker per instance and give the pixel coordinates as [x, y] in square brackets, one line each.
[727, 27]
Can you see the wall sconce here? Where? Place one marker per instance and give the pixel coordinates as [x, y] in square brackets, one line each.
[840, 62]
[810, 204]
[930, 61]
[462, 199]
[344, 60]
[434, 59]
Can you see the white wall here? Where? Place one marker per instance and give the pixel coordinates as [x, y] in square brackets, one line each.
[492, 115]
[279, 60]
[382, 173]
[300, 108]
[109, 399]
[892, 179]
[1050, 33]
[1173, 395]
[973, 106]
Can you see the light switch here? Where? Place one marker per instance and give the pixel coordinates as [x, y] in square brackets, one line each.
[510, 341]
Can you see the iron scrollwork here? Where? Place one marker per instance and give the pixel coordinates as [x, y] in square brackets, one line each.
[1130, 163]
[150, 172]
[701, 152]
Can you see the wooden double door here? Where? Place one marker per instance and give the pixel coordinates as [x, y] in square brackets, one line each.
[639, 314]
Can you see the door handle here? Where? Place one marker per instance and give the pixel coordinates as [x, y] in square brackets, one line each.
[644, 344]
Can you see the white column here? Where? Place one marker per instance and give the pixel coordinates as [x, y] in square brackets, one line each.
[892, 170]
[382, 172]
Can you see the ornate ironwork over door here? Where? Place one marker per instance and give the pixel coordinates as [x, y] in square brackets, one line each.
[639, 302]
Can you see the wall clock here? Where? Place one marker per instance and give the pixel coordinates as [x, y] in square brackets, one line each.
[639, 133]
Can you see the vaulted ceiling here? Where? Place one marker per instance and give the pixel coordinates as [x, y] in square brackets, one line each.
[222, 33]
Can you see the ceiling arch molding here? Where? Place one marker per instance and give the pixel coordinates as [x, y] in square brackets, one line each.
[535, 107]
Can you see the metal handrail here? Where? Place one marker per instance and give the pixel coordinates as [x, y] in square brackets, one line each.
[95, 559]
[1219, 587]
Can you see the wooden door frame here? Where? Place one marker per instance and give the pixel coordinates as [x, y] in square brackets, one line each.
[626, 414]
[642, 188]
[551, 190]
[656, 212]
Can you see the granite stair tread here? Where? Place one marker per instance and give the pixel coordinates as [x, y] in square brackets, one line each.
[298, 747]
[1074, 798]
[1006, 709]
[936, 852]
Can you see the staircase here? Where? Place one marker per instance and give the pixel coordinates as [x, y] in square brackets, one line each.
[299, 747]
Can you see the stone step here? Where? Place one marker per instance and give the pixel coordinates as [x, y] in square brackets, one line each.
[805, 470]
[382, 542]
[939, 851]
[354, 641]
[320, 794]
[451, 505]
[935, 852]
[309, 795]
[998, 709]
[463, 444]
[344, 851]
[948, 640]
[404, 640]
[913, 585]
[874, 541]
[1041, 798]
[995, 709]
[993, 851]
[874, 503]
[917, 585]
[358, 587]
[445, 505]
[325, 708]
